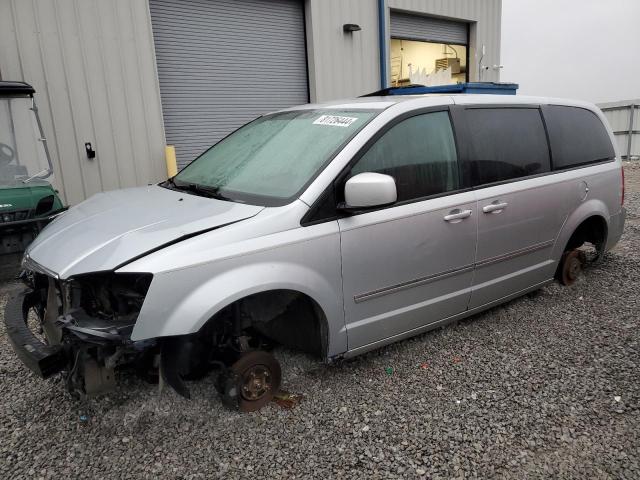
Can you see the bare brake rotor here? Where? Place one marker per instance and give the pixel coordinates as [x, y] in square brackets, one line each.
[571, 266]
[258, 376]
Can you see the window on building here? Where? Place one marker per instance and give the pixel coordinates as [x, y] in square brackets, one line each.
[506, 143]
[427, 63]
[577, 137]
[419, 153]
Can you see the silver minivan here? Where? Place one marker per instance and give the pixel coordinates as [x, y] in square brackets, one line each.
[332, 228]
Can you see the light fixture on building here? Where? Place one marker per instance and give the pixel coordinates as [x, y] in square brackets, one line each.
[350, 28]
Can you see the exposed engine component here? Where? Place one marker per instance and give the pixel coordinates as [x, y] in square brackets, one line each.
[90, 319]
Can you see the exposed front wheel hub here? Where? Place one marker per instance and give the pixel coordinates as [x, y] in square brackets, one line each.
[258, 376]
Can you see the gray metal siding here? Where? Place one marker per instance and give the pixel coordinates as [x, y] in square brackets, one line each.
[429, 29]
[484, 19]
[344, 65]
[222, 63]
[624, 118]
[92, 65]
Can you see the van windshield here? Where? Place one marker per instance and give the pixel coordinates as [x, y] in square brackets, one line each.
[269, 160]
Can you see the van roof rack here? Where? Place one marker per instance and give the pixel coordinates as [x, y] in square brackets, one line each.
[491, 88]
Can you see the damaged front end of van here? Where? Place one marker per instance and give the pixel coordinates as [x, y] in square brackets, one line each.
[81, 326]
[77, 312]
[206, 270]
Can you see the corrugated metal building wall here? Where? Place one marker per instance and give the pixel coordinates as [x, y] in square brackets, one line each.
[624, 118]
[348, 65]
[342, 65]
[484, 18]
[92, 63]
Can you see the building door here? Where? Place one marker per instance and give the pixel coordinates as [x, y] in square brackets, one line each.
[221, 63]
[410, 264]
[427, 51]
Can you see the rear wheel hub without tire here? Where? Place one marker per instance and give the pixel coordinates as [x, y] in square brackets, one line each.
[571, 267]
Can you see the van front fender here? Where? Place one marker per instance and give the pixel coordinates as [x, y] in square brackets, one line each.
[167, 311]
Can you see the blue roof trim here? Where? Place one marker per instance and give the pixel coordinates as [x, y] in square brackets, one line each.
[470, 87]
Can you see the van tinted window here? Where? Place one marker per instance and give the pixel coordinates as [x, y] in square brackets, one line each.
[506, 143]
[419, 153]
[577, 137]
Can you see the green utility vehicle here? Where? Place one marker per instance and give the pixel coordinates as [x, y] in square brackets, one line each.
[27, 199]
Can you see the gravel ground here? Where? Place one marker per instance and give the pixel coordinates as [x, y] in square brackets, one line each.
[546, 385]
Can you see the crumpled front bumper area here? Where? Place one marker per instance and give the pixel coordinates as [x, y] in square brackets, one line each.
[84, 349]
[44, 360]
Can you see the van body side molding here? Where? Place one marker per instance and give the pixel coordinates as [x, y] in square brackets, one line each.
[516, 253]
[363, 297]
[410, 284]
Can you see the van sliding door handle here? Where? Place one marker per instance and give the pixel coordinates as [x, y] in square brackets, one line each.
[457, 215]
[495, 207]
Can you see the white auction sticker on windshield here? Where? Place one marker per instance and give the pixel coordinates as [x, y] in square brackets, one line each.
[335, 121]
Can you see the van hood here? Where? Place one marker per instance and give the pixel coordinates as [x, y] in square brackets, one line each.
[113, 228]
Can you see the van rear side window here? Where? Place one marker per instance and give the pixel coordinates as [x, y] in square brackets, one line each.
[506, 143]
[577, 137]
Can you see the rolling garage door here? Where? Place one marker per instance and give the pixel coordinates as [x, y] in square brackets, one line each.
[221, 63]
[428, 29]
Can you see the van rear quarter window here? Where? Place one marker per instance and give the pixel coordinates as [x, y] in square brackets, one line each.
[577, 137]
[505, 144]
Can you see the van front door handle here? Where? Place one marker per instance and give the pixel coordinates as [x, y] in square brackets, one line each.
[495, 207]
[457, 215]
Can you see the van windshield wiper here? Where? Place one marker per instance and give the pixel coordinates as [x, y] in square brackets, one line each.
[170, 181]
[202, 190]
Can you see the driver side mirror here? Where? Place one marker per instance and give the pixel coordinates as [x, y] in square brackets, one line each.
[368, 190]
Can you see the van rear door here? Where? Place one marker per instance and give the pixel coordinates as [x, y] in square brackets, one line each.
[521, 208]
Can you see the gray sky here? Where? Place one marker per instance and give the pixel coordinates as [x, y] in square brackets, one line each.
[584, 49]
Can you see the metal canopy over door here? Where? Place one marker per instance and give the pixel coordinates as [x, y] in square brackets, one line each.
[222, 63]
[428, 29]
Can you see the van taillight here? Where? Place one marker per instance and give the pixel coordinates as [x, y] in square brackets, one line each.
[622, 179]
